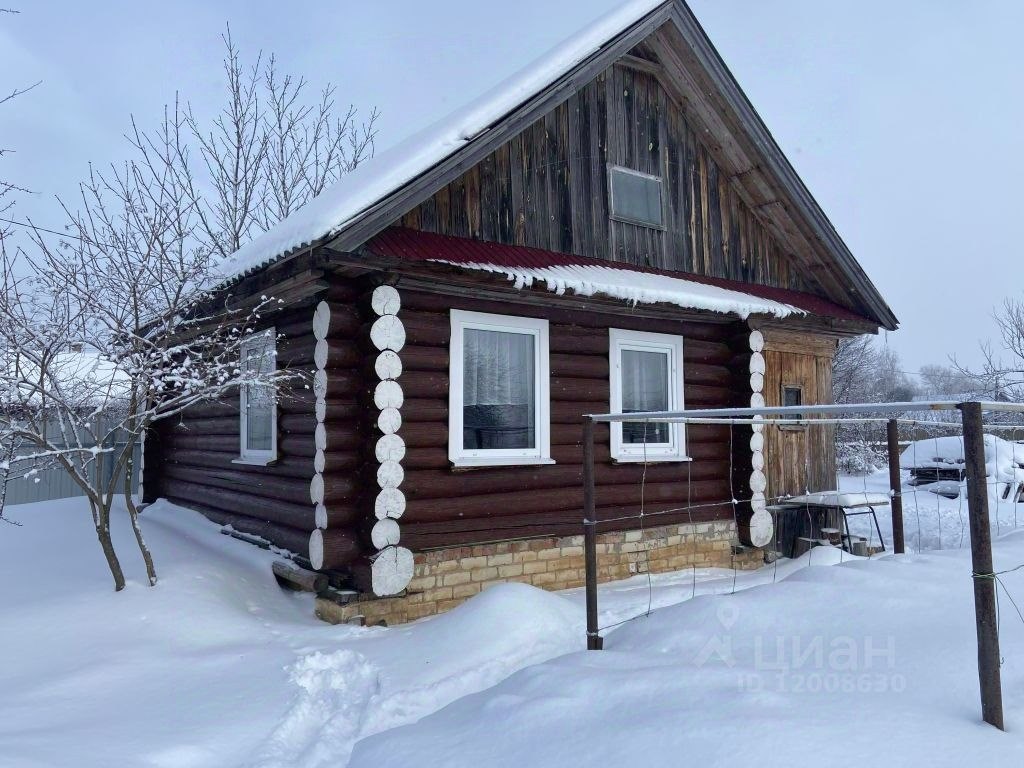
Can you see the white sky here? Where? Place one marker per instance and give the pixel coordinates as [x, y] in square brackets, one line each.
[904, 119]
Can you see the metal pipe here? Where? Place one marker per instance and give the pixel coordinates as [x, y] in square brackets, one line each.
[594, 641]
[782, 410]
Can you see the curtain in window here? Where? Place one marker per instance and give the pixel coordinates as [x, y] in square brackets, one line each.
[645, 383]
[499, 400]
[259, 402]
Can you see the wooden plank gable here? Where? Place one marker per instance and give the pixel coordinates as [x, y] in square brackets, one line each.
[547, 187]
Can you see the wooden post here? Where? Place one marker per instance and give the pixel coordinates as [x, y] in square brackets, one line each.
[896, 502]
[981, 562]
[594, 641]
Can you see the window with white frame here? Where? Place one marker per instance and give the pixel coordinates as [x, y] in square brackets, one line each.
[259, 400]
[498, 393]
[646, 375]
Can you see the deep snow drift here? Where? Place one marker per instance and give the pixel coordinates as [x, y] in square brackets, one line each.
[216, 666]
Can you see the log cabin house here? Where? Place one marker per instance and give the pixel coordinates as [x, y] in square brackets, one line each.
[613, 228]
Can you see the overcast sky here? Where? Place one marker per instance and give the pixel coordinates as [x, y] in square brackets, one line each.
[904, 118]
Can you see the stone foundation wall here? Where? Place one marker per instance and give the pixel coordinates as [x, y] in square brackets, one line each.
[444, 578]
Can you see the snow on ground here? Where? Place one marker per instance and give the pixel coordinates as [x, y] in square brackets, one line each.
[866, 663]
[930, 521]
[216, 666]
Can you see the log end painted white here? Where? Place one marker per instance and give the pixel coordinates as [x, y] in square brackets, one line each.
[320, 354]
[388, 365]
[385, 533]
[390, 447]
[320, 384]
[387, 332]
[388, 394]
[756, 341]
[391, 571]
[321, 320]
[316, 489]
[321, 516]
[757, 364]
[761, 529]
[385, 300]
[390, 502]
[389, 421]
[316, 549]
[390, 474]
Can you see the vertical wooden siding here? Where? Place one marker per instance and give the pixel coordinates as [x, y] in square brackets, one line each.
[548, 188]
[800, 458]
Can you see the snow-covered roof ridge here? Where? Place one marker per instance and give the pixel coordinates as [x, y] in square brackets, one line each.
[636, 288]
[373, 180]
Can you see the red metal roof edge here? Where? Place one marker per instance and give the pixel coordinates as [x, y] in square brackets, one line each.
[414, 245]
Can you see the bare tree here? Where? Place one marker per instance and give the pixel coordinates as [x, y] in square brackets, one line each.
[9, 189]
[1001, 375]
[108, 333]
[266, 154]
[114, 327]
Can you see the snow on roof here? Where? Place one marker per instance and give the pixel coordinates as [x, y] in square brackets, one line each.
[840, 499]
[387, 172]
[636, 287]
[1001, 456]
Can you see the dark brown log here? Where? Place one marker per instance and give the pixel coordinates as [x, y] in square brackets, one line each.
[299, 467]
[341, 354]
[571, 498]
[579, 366]
[291, 576]
[424, 409]
[291, 539]
[425, 384]
[333, 549]
[426, 458]
[345, 324]
[290, 489]
[343, 291]
[294, 514]
[439, 484]
[301, 445]
[421, 358]
[419, 536]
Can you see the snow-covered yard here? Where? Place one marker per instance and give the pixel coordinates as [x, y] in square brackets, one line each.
[216, 666]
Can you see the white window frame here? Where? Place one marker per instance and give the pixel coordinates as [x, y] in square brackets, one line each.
[612, 169]
[262, 339]
[620, 340]
[459, 456]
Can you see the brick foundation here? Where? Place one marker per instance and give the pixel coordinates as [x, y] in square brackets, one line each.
[444, 578]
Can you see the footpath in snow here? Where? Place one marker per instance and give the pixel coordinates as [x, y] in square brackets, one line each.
[867, 661]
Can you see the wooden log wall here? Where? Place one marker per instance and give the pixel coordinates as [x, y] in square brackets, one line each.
[548, 188]
[190, 459]
[446, 507]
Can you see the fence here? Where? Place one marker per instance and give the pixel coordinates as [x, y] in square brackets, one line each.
[757, 419]
[52, 482]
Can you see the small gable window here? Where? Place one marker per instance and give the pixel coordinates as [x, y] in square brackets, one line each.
[635, 197]
[793, 397]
